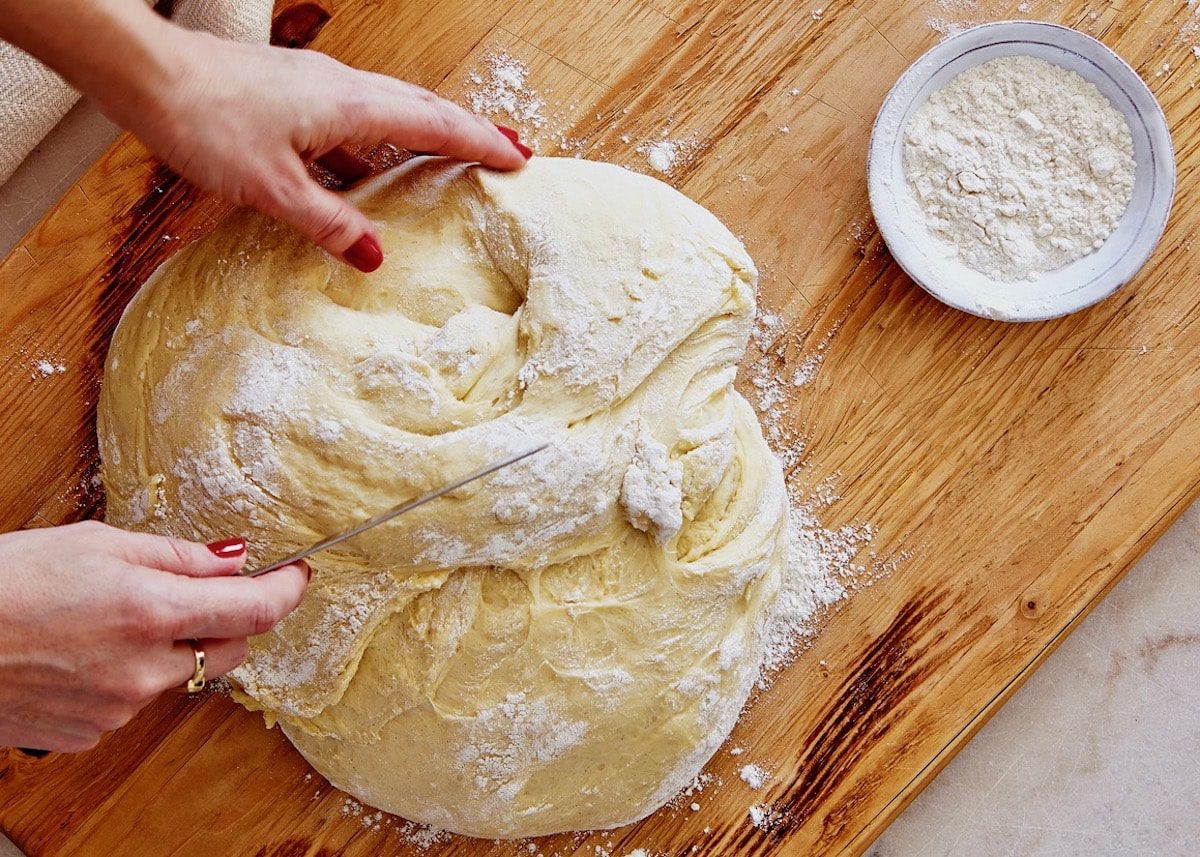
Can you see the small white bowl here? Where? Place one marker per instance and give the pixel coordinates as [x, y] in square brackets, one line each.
[1055, 293]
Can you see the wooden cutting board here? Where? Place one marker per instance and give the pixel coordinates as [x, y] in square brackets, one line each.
[1020, 469]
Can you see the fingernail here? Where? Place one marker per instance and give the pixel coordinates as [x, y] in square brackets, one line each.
[365, 254]
[307, 569]
[515, 139]
[228, 548]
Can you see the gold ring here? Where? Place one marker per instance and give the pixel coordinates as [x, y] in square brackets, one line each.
[196, 682]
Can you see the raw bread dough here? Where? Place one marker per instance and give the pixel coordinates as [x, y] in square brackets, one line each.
[561, 646]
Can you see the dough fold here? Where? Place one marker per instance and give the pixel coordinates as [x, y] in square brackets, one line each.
[559, 646]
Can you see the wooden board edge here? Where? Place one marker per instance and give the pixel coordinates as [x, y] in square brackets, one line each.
[866, 836]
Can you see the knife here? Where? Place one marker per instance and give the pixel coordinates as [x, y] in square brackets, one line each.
[394, 512]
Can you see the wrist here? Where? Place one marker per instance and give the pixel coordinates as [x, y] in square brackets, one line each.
[138, 84]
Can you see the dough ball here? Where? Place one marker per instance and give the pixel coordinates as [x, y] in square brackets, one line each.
[560, 646]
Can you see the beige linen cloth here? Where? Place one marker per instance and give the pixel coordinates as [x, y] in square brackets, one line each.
[33, 98]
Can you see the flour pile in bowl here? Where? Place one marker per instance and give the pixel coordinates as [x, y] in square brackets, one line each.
[1020, 167]
[560, 646]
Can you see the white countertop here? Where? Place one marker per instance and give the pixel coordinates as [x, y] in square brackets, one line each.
[1099, 753]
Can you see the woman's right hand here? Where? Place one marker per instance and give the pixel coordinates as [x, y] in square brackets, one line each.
[94, 624]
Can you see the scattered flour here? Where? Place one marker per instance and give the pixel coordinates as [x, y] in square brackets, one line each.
[423, 836]
[771, 382]
[665, 154]
[954, 17]
[502, 89]
[754, 776]
[44, 368]
[821, 566]
[762, 817]
[1191, 26]
[1019, 166]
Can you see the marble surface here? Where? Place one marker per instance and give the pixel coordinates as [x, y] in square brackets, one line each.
[1099, 752]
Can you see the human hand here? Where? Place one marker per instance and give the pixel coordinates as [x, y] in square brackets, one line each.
[94, 623]
[241, 120]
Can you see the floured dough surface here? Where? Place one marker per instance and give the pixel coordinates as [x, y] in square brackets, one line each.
[559, 646]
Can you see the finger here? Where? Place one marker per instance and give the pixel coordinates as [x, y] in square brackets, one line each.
[444, 128]
[45, 741]
[233, 607]
[58, 723]
[323, 217]
[220, 656]
[177, 556]
[426, 123]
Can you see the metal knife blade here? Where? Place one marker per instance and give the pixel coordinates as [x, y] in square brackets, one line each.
[394, 512]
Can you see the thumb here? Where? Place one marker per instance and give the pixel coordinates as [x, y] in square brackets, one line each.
[325, 218]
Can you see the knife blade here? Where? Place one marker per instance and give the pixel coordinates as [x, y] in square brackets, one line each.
[394, 512]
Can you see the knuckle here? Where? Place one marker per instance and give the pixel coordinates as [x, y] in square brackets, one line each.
[131, 690]
[112, 717]
[179, 552]
[73, 744]
[330, 224]
[441, 121]
[148, 621]
[238, 651]
[286, 194]
[356, 113]
[232, 657]
[261, 617]
[319, 58]
[90, 530]
[145, 686]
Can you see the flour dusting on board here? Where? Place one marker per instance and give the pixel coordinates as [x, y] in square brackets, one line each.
[664, 155]
[44, 368]
[954, 16]
[502, 88]
[822, 565]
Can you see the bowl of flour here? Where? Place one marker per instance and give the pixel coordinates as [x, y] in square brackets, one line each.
[1021, 171]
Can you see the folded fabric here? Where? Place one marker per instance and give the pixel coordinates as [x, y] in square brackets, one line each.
[33, 98]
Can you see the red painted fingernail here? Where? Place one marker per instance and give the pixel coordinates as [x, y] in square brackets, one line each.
[513, 138]
[228, 548]
[365, 254]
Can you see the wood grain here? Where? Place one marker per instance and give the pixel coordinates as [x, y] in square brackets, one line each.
[1021, 468]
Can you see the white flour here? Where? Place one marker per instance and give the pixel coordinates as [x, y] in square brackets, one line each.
[1020, 167]
[650, 491]
[502, 89]
[754, 776]
[45, 368]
